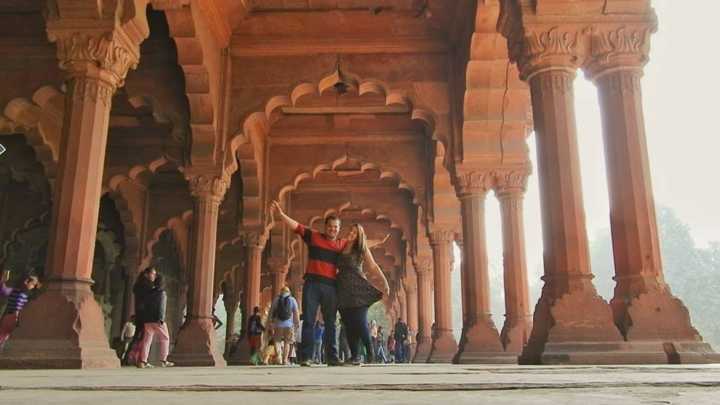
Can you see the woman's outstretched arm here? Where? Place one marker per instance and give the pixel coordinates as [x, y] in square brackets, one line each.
[374, 274]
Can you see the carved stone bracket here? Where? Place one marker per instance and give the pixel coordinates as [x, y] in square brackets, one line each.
[277, 265]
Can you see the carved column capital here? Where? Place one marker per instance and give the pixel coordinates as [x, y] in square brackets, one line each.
[208, 186]
[439, 236]
[277, 265]
[545, 48]
[255, 239]
[102, 54]
[473, 183]
[624, 47]
[511, 182]
[423, 265]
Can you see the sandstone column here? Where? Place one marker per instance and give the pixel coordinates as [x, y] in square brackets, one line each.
[572, 323]
[254, 242]
[510, 189]
[278, 271]
[444, 345]
[411, 297]
[480, 342]
[64, 327]
[645, 310]
[196, 340]
[423, 269]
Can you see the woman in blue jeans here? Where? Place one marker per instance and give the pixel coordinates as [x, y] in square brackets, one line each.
[356, 291]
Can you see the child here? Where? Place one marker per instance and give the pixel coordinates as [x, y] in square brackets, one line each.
[270, 355]
[17, 298]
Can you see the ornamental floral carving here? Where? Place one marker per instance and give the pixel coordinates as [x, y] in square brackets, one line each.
[105, 51]
[254, 239]
[508, 181]
[208, 186]
[442, 236]
[625, 46]
[476, 182]
[554, 47]
[423, 265]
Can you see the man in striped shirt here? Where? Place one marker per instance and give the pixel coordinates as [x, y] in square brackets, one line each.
[17, 298]
[319, 288]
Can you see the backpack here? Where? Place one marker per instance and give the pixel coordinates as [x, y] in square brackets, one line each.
[282, 309]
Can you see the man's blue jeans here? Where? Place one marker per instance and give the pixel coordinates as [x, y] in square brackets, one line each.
[318, 294]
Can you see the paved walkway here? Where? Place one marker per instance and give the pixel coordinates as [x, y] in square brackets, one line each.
[403, 384]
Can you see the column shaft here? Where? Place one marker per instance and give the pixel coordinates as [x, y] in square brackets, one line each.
[425, 311]
[255, 244]
[96, 63]
[196, 339]
[518, 321]
[480, 342]
[569, 309]
[444, 345]
[644, 308]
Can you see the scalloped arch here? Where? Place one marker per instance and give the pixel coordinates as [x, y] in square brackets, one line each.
[40, 121]
[179, 226]
[246, 147]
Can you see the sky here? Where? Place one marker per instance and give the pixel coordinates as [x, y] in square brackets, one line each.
[680, 91]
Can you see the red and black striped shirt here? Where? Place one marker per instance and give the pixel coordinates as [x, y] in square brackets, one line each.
[322, 252]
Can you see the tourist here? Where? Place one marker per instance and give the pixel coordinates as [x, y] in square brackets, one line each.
[381, 354]
[391, 346]
[17, 298]
[255, 330]
[319, 289]
[270, 354]
[318, 355]
[284, 315]
[126, 336]
[344, 347]
[401, 335]
[154, 326]
[374, 337]
[357, 291]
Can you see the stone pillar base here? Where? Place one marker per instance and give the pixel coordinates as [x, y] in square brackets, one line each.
[514, 335]
[690, 353]
[195, 345]
[422, 350]
[443, 348]
[480, 344]
[63, 328]
[576, 328]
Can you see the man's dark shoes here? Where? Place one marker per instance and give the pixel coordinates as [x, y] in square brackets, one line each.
[335, 363]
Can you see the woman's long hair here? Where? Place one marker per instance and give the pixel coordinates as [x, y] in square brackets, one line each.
[360, 242]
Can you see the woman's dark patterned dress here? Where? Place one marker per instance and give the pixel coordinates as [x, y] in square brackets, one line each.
[353, 289]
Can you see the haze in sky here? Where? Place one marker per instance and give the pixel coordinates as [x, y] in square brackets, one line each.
[680, 90]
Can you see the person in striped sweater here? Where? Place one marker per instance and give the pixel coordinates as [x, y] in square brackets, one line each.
[17, 298]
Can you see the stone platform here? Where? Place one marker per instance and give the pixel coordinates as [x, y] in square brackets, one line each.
[402, 384]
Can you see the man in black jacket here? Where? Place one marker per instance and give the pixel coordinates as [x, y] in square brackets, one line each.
[152, 308]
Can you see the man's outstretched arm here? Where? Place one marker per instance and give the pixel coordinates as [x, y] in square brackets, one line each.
[275, 206]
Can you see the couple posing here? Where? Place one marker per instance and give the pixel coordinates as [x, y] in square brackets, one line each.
[334, 280]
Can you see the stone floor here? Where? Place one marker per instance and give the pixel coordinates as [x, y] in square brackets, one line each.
[406, 384]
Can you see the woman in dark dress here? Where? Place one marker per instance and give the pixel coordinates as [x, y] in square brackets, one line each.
[356, 291]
